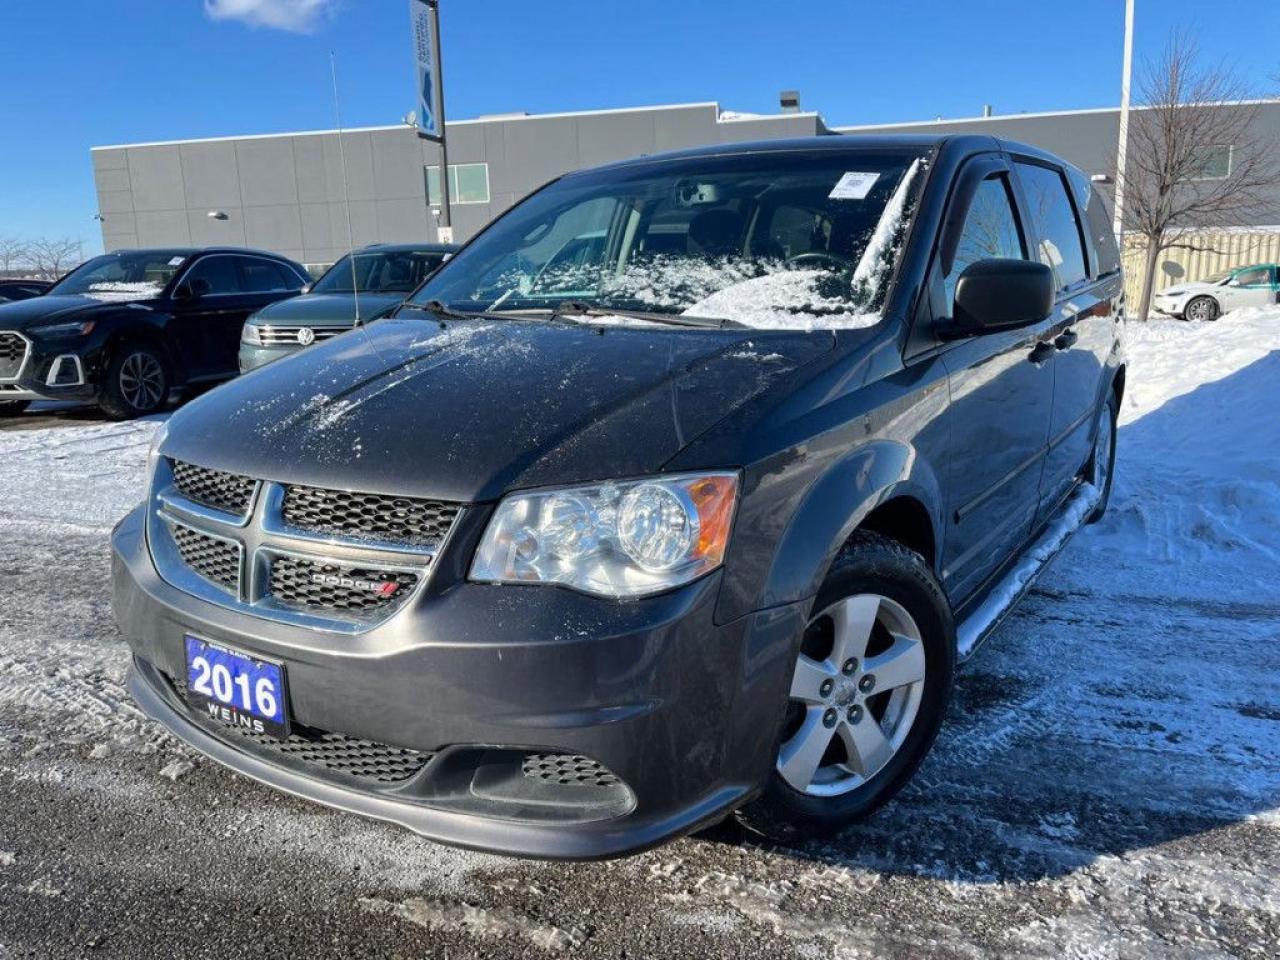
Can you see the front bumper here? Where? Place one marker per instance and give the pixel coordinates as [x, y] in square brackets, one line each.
[252, 357]
[50, 370]
[684, 711]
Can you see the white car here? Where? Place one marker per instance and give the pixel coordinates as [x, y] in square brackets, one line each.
[1255, 286]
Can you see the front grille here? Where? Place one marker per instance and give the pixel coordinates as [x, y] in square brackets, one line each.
[336, 752]
[568, 770]
[13, 353]
[368, 516]
[316, 585]
[288, 336]
[215, 559]
[228, 492]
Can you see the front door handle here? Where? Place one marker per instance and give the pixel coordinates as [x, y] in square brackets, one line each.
[1042, 352]
[1066, 339]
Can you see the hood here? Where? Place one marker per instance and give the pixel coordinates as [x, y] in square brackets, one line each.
[328, 309]
[22, 314]
[1179, 289]
[474, 409]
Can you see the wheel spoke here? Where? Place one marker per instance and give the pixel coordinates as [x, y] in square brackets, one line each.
[800, 756]
[806, 684]
[902, 664]
[853, 621]
[866, 744]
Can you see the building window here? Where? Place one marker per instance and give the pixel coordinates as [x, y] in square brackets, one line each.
[1212, 162]
[468, 183]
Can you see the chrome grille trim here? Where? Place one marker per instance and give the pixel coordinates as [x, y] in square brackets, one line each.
[15, 351]
[287, 335]
[264, 541]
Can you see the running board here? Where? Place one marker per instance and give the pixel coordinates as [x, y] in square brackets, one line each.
[1014, 585]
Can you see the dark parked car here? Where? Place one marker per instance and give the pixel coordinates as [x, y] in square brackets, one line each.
[567, 578]
[11, 290]
[126, 328]
[362, 286]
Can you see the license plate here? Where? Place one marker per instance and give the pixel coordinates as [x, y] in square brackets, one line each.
[236, 688]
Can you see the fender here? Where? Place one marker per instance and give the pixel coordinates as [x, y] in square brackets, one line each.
[149, 327]
[832, 508]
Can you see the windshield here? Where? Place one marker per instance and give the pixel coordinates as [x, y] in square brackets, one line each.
[783, 240]
[1217, 277]
[137, 275]
[384, 272]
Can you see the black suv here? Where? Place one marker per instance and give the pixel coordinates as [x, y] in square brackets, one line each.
[678, 492]
[11, 290]
[125, 328]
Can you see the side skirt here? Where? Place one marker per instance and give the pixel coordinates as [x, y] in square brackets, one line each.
[982, 621]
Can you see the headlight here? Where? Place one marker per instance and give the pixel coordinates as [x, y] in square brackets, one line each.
[153, 455]
[619, 539]
[251, 334]
[78, 329]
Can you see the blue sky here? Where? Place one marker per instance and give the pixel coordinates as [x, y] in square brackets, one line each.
[88, 72]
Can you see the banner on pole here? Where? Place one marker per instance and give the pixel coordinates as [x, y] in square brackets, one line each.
[424, 52]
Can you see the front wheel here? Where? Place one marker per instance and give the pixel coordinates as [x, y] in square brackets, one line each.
[1202, 308]
[136, 383]
[870, 688]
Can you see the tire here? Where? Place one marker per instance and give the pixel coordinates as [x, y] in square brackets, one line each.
[135, 384]
[872, 569]
[1202, 309]
[1102, 464]
[12, 408]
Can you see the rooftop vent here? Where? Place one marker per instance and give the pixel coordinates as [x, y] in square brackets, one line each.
[789, 100]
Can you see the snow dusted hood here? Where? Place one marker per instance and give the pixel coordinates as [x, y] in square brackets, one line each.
[1179, 289]
[478, 408]
[37, 311]
[327, 309]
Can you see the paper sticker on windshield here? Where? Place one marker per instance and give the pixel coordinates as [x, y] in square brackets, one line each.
[175, 261]
[853, 186]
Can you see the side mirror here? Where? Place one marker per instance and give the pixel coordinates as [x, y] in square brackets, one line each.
[1000, 295]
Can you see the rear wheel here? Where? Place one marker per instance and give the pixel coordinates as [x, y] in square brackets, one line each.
[1202, 308]
[11, 408]
[1102, 464]
[136, 383]
[870, 688]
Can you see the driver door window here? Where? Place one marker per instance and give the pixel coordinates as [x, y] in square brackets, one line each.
[991, 232]
[219, 273]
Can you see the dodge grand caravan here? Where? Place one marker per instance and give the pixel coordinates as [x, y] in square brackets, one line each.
[577, 552]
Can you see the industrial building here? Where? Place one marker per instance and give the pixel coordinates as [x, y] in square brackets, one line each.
[287, 192]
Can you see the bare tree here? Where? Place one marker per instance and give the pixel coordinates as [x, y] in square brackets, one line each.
[13, 251]
[50, 258]
[1192, 117]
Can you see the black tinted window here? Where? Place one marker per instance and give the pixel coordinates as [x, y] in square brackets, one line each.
[1050, 209]
[263, 276]
[218, 272]
[990, 231]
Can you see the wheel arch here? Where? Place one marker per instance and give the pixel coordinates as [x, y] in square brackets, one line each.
[883, 486]
[142, 333]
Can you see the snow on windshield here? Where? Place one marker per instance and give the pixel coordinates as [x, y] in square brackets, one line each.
[121, 291]
[766, 294]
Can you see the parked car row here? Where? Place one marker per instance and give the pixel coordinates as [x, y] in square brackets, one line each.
[126, 329]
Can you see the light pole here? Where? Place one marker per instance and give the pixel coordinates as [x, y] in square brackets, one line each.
[425, 16]
[1123, 147]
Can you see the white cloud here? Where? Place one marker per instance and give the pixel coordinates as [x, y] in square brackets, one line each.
[298, 16]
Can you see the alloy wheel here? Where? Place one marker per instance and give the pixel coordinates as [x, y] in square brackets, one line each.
[1200, 309]
[142, 381]
[854, 696]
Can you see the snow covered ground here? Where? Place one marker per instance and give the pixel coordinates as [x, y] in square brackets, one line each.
[1108, 784]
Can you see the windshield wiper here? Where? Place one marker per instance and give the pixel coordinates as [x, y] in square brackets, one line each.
[576, 308]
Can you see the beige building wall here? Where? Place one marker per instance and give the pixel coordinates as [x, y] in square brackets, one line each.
[1214, 250]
